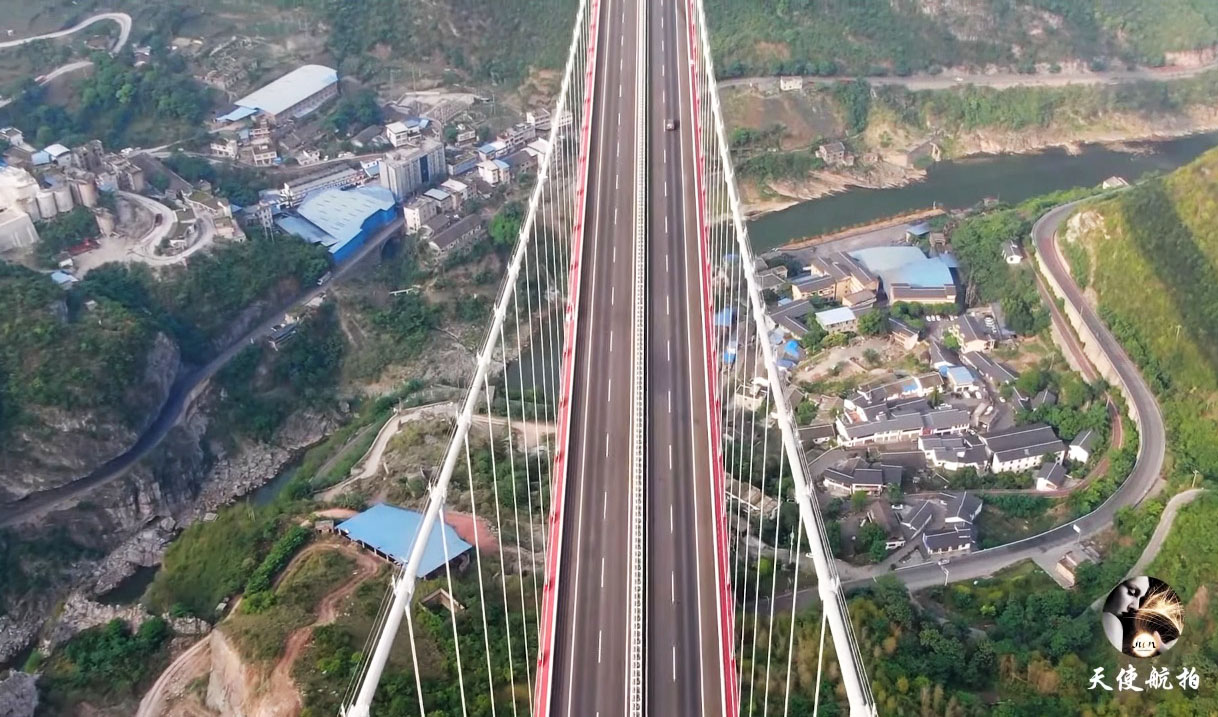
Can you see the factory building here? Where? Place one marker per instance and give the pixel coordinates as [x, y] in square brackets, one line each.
[292, 96]
[342, 221]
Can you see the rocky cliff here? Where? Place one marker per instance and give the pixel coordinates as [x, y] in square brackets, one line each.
[52, 445]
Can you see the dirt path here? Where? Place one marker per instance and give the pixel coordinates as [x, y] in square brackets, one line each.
[280, 697]
[173, 681]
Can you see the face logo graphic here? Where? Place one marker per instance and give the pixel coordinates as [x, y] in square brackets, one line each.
[1143, 617]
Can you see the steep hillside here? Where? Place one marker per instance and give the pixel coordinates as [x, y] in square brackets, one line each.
[1152, 256]
[878, 36]
[77, 382]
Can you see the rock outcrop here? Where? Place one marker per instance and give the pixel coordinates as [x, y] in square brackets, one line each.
[18, 695]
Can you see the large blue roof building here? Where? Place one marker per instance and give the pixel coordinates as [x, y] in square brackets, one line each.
[341, 220]
[391, 532]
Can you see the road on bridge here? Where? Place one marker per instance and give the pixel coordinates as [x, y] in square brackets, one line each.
[588, 667]
[684, 644]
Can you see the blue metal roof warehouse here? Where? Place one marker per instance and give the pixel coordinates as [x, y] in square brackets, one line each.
[391, 532]
[341, 220]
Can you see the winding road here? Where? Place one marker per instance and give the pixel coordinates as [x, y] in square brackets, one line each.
[124, 34]
[1135, 488]
[183, 392]
[122, 18]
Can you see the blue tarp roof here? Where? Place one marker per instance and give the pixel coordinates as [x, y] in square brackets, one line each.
[792, 348]
[237, 114]
[723, 317]
[904, 265]
[392, 531]
[958, 374]
[342, 213]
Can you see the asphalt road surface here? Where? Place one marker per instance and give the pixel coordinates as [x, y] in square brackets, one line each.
[1141, 480]
[684, 667]
[591, 636]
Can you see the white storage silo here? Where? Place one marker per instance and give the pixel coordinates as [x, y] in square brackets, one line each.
[63, 198]
[85, 192]
[30, 206]
[46, 204]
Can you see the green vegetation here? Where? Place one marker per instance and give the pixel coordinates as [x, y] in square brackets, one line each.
[263, 386]
[354, 113]
[978, 243]
[104, 662]
[30, 562]
[1155, 260]
[970, 107]
[500, 39]
[875, 37]
[236, 184]
[56, 353]
[1080, 263]
[210, 561]
[64, 231]
[258, 595]
[260, 635]
[196, 307]
[334, 654]
[119, 104]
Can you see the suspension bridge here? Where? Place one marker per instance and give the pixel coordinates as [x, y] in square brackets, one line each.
[628, 544]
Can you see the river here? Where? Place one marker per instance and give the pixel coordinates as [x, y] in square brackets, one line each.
[962, 183]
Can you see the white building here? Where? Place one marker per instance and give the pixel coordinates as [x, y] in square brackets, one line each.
[1083, 445]
[406, 169]
[398, 134]
[494, 172]
[292, 96]
[418, 210]
[458, 189]
[1023, 448]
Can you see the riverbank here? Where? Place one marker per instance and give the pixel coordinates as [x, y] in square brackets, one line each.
[780, 195]
[959, 183]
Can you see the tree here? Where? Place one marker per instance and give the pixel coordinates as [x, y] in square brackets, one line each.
[858, 500]
[505, 227]
[950, 341]
[450, 134]
[871, 542]
[874, 323]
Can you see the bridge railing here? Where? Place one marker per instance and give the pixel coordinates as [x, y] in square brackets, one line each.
[476, 586]
[765, 464]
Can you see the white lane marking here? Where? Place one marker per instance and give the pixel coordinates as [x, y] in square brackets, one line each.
[612, 293]
[599, 634]
[606, 445]
[619, 119]
[663, 95]
[670, 359]
[670, 523]
[665, 162]
[662, 73]
[623, 41]
[615, 216]
[665, 189]
[618, 151]
[611, 342]
[670, 404]
[669, 456]
[619, 91]
[667, 306]
[665, 262]
[665, 216]
[617, 182]
[604, 504]
[674, 663]
[672, 587]
[602, 571]
[609, 391]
